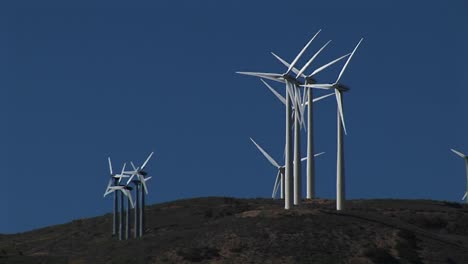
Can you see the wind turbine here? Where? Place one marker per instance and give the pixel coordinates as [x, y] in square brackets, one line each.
[308, 95]
[281, 169]
[140, 181]
[339, 89]
[114, 180]
[297, 185]
[463, 156]
[290, 82]
[124, 190]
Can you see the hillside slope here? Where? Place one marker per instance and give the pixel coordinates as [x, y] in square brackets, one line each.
[231, 230]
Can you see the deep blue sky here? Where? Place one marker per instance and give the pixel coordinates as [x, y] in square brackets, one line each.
[83, 81]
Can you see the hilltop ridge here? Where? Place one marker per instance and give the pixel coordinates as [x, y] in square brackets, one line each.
[232, 230]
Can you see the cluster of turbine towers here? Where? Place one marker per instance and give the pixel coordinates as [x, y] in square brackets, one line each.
[121, 226]
[298, 97]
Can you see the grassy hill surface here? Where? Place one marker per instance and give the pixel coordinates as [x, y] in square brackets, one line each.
[231, 230]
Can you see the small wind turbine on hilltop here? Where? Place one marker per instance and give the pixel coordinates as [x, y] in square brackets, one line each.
[281, 169]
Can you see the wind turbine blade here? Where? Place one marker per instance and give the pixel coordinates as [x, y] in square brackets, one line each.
[281, 98]
[285, 63]
[275, 186]
[129, 196]
[311, 60]
[318, 86]
[458, 153]
[322, 97]
[130, 179]
[122, 173]
[110, 165]
[464, 196]
[146, 161]
[305, 95]
[259, 74]
[265, 76]
[299, 105]
[269, 158]
[302, 52]
[340, 108]
[304, 158]
[328, 65]
[143, 182]
[108, 186]
[318, 154]
[133, 166]
[148, 178]
[346, 64]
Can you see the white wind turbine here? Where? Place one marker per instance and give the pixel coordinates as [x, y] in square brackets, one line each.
[114, 180]
[124, 190]
[290, 82]
[339, 89]
[140, 173]
[308, 101]
[281, 169]
[463, 156]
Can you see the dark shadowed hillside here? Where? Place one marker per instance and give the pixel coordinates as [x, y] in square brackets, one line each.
[230, 230]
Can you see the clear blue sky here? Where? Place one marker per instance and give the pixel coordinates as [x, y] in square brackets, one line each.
[83, 81]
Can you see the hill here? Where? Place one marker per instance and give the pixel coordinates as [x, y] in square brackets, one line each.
[231, 230]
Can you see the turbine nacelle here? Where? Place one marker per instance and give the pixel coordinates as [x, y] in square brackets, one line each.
[341, 87]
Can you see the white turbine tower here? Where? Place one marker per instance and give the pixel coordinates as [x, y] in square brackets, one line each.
[140, 185]
[463, 156]
[308, 101]
[339, 89]
[290, 82]
[281, 169]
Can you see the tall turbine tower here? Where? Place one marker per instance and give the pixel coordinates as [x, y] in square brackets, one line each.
[339, 89]
[463, 156]
[290, 82]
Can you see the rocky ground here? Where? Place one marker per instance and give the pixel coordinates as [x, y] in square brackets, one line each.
[231, 230]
